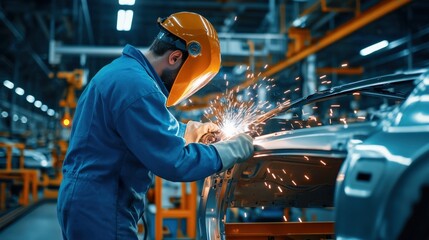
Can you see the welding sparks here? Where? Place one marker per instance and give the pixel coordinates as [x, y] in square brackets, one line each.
[299, 219]
[322, 162]
[234, 116]
[306, 158]
[294, 183]
[284, 218]
[306, 177]
[284, 171]
[274, 176]
[279, 188]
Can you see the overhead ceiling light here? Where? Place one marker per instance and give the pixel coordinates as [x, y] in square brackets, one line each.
[8, 84]
[125, 19]
[44, 108]
[19, 91]
[127, 2]
[374, 47]
[51, 112]
[37, 104]
[24, 119]
[30, 98]
[300, 21]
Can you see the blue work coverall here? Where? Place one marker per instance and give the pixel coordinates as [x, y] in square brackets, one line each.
[122, 133]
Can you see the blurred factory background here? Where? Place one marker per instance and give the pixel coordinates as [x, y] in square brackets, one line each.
[50, 49]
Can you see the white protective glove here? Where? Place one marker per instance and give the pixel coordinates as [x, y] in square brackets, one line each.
[234, 150]
[195, 130]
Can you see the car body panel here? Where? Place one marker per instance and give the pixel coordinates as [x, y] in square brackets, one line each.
[379, 205]
[297, 166]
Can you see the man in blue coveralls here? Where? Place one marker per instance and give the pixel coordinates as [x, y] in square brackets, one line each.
[123, 132]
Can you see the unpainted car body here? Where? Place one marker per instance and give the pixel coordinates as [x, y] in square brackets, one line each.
[383, 187]
[296, 165]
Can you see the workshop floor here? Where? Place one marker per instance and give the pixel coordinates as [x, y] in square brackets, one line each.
[40, 224]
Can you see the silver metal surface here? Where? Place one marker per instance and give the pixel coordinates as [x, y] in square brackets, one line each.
[380, 188]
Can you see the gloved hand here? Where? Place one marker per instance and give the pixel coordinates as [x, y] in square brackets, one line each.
[195, 130]
[234, 150]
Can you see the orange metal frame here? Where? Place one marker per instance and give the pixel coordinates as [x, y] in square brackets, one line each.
[285, 230]
[342, 71]
[187, 209]
[26, 176]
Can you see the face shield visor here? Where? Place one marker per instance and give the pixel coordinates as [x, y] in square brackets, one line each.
[202, 44]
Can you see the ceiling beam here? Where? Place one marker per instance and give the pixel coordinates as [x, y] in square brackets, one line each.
[370, 15]
[20, 37]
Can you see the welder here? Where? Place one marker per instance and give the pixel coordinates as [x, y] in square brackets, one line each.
[123, 131]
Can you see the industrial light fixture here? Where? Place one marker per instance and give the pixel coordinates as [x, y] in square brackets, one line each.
[24, 119]
[44, 108]
[19, 91]
[300, 21]
[30, 98]
[66, 120]
[8, 84]
[37, 104]
[125, 19]
[374, 47]
[51, 112]
[127, 2]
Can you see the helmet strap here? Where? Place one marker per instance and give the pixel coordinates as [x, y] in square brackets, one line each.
[167, 37]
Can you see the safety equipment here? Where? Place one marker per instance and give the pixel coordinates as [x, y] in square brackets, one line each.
[235, 150]
[201, 42]
[195, 130]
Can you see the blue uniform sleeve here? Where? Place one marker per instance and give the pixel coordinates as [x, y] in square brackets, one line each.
[153, 135]
[182, 129]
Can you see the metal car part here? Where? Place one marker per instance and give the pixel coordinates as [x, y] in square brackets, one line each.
[381, 187]
[314, 156]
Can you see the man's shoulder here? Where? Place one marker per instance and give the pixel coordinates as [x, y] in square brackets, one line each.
[127, 75]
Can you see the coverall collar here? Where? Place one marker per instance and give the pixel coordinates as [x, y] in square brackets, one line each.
[136, 54]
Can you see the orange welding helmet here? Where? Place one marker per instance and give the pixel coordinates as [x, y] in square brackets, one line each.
[199, 38]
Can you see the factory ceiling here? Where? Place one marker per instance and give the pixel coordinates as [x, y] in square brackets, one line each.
[260, 33]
